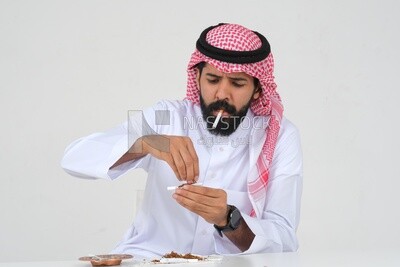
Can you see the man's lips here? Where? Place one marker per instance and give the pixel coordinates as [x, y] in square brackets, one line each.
[224, 113]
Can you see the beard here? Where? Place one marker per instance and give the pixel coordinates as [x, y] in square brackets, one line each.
[227, 125]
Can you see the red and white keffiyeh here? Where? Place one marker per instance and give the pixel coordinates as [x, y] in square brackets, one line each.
[238, 38]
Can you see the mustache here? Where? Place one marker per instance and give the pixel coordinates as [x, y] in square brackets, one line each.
[221, 104]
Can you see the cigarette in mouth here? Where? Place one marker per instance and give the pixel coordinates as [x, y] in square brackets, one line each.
[169, 188]
[217, 119]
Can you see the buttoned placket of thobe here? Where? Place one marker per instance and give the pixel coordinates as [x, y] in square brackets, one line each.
[217, 175]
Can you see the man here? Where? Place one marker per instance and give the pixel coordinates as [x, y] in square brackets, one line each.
[239, 159]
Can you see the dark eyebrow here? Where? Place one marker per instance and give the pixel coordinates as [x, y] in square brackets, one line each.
[237, 79]
[213, 75]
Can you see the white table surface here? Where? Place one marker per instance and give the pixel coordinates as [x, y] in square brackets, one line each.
[380, 258]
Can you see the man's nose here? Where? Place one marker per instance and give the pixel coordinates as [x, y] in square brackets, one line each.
[223, 92]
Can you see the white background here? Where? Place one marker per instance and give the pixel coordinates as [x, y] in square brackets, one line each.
[71, 68]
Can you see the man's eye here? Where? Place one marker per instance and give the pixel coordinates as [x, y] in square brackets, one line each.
[238, 84]
[213, 81]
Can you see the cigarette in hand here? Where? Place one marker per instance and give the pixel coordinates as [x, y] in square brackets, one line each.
[169, 188]
[217, 119]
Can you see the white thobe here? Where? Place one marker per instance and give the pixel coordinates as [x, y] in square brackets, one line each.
[162, 225]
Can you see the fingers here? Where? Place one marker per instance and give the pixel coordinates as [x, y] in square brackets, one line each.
[178, 152]
[201, 209]
[185, 158]
[167, 157]
[188, 165]
[195, 159]
[212, 207]
[204, 196]
[205, 191]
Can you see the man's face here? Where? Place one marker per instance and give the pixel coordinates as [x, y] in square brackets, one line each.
[230, 92]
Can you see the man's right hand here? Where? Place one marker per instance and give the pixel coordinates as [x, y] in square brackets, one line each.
[177, 151]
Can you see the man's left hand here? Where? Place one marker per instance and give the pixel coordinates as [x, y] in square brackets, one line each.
[209, 203]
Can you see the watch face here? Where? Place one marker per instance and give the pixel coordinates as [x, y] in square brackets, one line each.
[235, 218]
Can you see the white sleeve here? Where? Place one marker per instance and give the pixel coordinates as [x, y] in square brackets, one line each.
[92, 156]
[276, 230]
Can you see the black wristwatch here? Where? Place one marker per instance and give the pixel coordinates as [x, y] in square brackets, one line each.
[233, 219]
